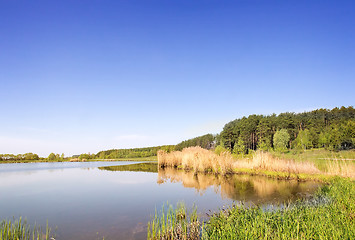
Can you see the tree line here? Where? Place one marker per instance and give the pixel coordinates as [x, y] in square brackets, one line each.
[332, 129]
[130, 153]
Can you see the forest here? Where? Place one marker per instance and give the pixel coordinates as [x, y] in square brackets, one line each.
[322, 128]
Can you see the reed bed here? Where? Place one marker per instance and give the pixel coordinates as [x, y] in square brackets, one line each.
[21, 230]
[197, 159]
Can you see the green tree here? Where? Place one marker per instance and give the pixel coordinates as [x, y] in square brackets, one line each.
[239, 148]
[219, 149]
[51, 157]
[281, 139]
[303, 140]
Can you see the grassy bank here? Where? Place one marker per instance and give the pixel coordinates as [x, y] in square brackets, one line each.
[329, 214]
[19, 229]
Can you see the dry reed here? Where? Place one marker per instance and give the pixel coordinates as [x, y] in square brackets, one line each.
[265, 161]
[197, 159]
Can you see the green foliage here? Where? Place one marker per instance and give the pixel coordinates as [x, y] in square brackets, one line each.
[219, 149]
[133, 152]
[281, 139]
[239, 148]
[87, 156]
[19, 157]
[332, 129]
[52, 157]
[207, 141]
[303, 140]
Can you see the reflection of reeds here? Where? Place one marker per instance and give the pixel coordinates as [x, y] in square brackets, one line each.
[236, 187]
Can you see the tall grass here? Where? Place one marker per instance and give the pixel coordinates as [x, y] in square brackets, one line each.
[19, 229]
[197, 159]
[175, 223]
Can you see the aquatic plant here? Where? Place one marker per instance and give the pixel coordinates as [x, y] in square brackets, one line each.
[175, 223]
[19, 229]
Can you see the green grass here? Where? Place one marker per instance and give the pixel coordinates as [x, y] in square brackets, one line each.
[175, 223]
[320, 157]
[329, 214]
[19, 229]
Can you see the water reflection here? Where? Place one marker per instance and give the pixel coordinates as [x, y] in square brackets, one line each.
[117, 202]
[257, 189]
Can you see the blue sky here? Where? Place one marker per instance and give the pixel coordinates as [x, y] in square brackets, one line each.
[85, 76]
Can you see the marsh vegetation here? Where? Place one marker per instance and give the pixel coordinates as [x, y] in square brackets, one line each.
[197, 159]
[19, 229]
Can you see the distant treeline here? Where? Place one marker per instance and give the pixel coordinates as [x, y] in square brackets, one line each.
[132, 153]
[206, 141]
[31, 157]
[332, 129]
[19, 157]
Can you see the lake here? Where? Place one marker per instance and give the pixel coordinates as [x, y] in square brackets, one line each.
[84, 201]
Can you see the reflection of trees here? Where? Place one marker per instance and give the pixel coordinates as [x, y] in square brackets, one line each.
[238, 187]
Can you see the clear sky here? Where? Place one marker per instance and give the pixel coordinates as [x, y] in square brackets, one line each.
[85, 76]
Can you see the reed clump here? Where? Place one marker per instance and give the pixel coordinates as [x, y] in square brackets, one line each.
[19, 229]
[175, 223]
[196, 159]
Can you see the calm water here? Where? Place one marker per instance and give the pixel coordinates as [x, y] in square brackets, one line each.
[85, 202]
